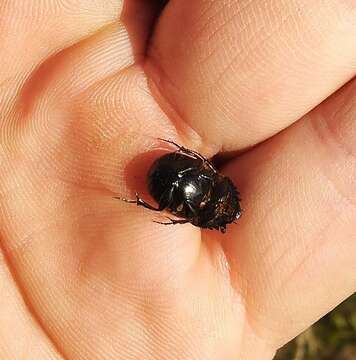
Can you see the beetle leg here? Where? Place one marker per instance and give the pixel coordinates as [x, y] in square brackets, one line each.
[181, 172]
[238, 215]
[191, 207]
[172, 221]
[140, 202]
[193, 153]
[206, 177]
[168, 196]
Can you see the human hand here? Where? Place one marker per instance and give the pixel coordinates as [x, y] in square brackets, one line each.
[84, 97]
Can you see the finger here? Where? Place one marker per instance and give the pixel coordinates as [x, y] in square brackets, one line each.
[64, 77]
[32, 31]
[48, 28]
[293, 253]
[239, 71]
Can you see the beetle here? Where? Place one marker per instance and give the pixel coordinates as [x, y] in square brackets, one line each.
[189, 186]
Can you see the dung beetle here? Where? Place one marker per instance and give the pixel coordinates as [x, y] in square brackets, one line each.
[188, 185]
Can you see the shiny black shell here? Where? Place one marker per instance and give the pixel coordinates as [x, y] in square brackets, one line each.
[191, 188]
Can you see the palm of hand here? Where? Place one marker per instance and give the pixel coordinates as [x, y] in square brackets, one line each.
[88, 277]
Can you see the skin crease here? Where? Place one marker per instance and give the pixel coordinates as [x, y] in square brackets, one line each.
[86, 88]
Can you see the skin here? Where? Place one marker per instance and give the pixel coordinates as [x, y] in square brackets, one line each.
[86, 88]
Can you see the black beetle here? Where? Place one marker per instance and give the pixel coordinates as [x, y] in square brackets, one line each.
[189, 186]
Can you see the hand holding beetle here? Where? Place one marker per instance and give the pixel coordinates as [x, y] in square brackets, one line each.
[268, 85]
